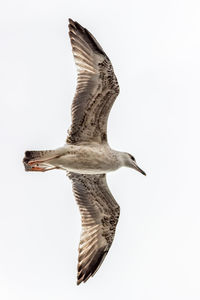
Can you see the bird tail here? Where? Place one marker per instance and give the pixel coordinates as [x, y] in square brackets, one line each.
[38, 160]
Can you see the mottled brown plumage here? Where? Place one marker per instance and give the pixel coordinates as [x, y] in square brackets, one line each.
[99, 214]
[86, 156]
[97, 88]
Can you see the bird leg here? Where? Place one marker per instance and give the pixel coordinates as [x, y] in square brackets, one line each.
[39, 169]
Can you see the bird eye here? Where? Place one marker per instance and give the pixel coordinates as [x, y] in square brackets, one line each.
[133, 158]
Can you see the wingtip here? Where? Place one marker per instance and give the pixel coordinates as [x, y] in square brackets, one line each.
[70, 20]
[78, 282]
[81, 279]
[71, 25]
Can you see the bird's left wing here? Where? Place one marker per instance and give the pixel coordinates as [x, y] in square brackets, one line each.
[99, 213]
[97, 88]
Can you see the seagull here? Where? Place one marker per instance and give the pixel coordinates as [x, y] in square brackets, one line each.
[86, 155]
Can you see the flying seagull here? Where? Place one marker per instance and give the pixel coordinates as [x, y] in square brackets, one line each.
[86, 155]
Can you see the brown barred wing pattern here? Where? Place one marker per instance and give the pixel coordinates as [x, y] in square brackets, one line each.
[97, 88]
[99, 214]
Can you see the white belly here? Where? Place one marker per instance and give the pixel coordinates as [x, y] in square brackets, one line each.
[87, 160]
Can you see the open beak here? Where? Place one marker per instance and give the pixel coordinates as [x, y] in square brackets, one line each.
[135, 166]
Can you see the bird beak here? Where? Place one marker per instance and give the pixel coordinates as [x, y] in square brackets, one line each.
[135, 166]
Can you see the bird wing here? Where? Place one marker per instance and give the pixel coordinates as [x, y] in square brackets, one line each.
[97, 88]
[99, 213]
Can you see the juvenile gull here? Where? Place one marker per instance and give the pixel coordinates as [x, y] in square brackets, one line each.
[86, 155]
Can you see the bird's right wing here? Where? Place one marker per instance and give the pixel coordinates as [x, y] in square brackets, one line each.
[99, 213]
[97, 88]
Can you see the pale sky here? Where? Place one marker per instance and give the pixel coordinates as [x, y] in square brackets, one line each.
[154, 47]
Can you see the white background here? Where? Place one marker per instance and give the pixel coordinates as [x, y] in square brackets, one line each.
[155, 50]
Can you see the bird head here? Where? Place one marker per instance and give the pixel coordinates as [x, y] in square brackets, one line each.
[130, 162]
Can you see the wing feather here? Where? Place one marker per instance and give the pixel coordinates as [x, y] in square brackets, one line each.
[99, 214]
[97, 88]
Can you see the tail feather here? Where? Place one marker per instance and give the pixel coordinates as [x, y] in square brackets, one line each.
[37, 154]
[34, 158]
